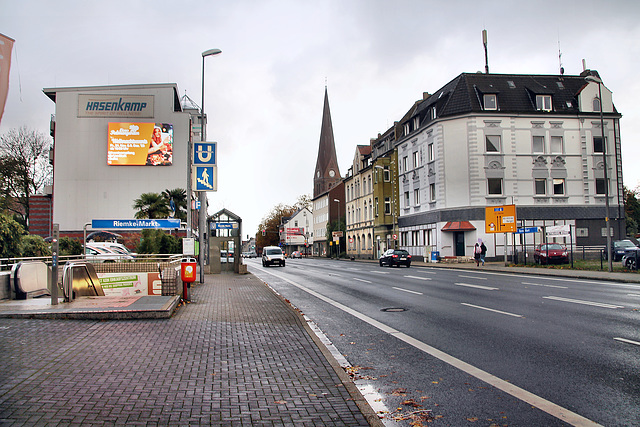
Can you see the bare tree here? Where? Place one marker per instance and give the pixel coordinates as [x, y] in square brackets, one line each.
[24, 168]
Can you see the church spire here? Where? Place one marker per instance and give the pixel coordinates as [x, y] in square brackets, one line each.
[327, 173]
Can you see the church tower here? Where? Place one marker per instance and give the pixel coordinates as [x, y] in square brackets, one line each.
[326, 174]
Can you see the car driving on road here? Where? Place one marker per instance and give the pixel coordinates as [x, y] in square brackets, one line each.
[272, 255]
[395, 257]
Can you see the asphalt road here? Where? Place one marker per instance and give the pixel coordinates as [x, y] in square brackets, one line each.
[476, 346]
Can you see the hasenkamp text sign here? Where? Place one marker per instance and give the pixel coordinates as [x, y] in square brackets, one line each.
[114, 224]
[115, 106]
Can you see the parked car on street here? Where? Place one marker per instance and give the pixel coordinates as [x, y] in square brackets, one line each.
[103, 254]
[550, 253]
[619, 248]
[630, 258]
[272, 255]
[395, 257]
[296, 254]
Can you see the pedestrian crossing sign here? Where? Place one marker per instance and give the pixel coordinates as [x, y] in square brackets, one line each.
[205, 178]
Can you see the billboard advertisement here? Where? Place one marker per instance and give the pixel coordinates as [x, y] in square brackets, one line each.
[140, 144]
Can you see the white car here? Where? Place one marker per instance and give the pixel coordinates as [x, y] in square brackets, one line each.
[118, 248]
[103, 254]
[272, 255]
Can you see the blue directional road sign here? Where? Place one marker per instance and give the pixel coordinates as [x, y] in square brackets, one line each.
[204, 153]
[205, 178]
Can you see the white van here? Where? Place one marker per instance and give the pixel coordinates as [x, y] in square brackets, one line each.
[272, 255]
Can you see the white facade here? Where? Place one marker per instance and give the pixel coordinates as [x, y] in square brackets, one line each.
[85, 187]
[547, 165]
[297, 230]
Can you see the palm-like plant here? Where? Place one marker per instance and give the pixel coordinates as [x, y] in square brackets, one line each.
[179, 197]
[151, 206]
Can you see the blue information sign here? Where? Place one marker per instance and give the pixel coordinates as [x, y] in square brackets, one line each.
[112, 224]
[204, 153]
[527, 230]
[223, 225]
[205, 178]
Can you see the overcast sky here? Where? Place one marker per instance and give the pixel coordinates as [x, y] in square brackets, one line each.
[264, 93]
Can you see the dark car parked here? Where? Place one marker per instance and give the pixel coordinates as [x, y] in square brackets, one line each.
[395, 257]
[619, 248]
[551, 252]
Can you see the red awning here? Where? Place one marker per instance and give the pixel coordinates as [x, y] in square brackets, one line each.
[458, 226]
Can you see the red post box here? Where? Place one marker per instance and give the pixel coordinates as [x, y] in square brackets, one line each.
[188, 270]
[188, 275]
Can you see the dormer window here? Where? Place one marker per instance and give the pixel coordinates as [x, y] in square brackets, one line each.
[543, 103]
[490, 101]
[433, 113]
[416, 122]
[405, 128]
[596, 104]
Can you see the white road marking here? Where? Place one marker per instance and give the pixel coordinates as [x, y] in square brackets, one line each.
[548, 286]
[515, 391]
[577, 301]
[361, 280]
[627, 341]
[379, 272]
[473, 277]
[491, 309]
[633, 295]
[418, 277]
[407, 290]
[468, 285]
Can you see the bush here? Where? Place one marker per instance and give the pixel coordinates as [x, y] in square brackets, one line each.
[68, 246]
[158, 242]
[10, 235]
[34, 246]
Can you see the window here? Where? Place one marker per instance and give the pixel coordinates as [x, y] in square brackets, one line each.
[557, 145]
[387, 174]
[416, 159]
[416, 197]
[543, 102]
[433, 113]
[558, 186]
[416, 122]
[598, 146]
[540, 187]
[387, 206]
[490, 101]
[596, 104]
[494, 186]
[538, 144]
[376, 204]
[405, 163]
[431, 152]
[432, 192]
[601, 186]
[406, 199]
[492, 143]
[406, 128]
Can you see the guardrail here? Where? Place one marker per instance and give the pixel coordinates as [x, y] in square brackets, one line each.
[6, 264]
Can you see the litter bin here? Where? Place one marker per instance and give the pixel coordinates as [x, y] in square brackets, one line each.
[435, 255]
[188, 275]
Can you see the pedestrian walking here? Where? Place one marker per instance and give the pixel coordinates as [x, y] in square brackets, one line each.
[483, 251]
[476, 254]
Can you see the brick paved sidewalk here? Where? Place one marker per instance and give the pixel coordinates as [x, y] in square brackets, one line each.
[237, 355]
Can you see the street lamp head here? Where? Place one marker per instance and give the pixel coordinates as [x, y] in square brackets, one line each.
[593, 79]
[211, 52]
[336, 200]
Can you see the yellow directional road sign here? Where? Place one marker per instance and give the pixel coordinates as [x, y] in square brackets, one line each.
[500, 219]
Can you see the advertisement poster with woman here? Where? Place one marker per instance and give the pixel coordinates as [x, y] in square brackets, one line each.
[140, 144]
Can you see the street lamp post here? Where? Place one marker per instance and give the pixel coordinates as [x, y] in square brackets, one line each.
[202, 195]
[339, 228]
[595, 79]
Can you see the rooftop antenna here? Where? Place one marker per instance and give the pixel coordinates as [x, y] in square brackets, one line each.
[560, 58]
[486, 53]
